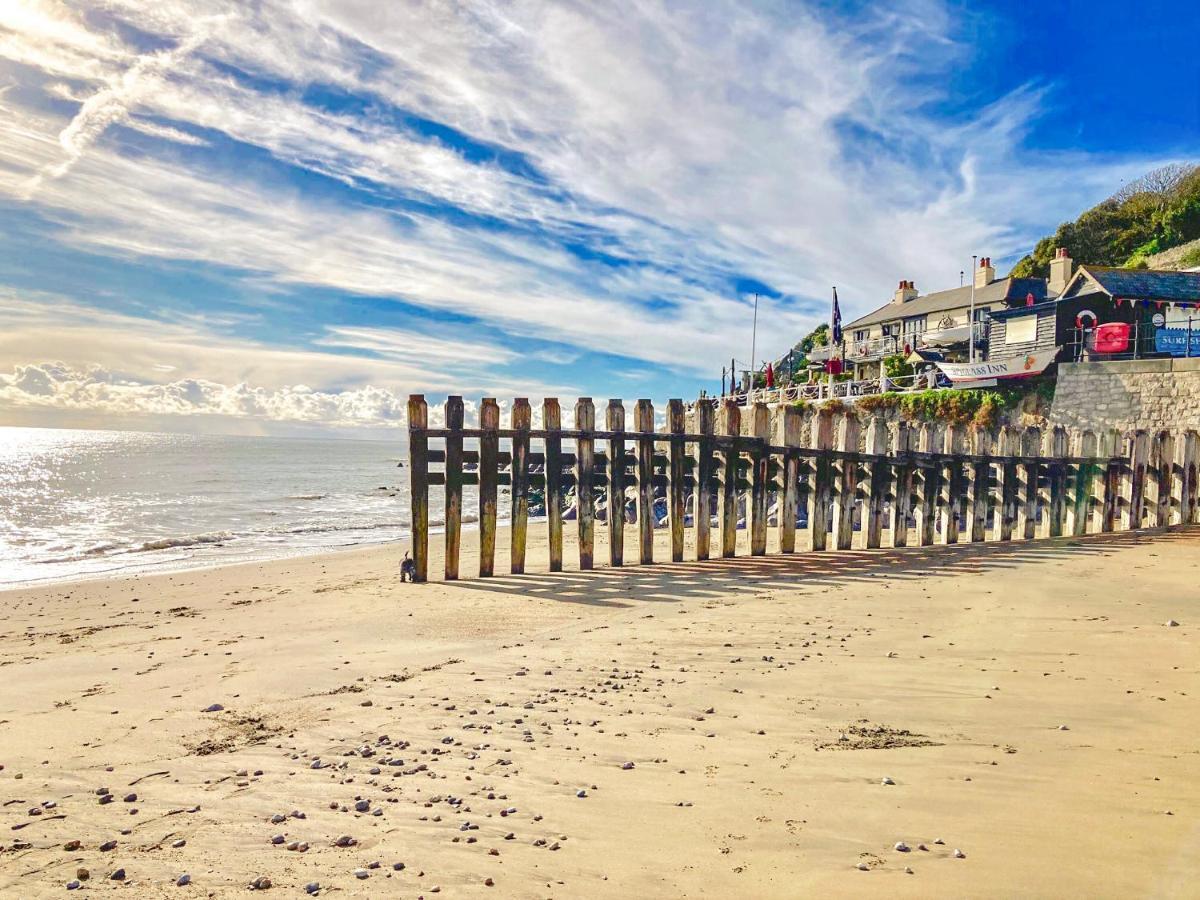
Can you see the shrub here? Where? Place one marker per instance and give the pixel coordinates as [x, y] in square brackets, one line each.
[835, 405]
[879, 403]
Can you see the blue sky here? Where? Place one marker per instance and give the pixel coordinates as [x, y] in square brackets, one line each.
[275, 216]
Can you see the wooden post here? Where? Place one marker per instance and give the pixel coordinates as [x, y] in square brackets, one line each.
[981, 473]
[678, 491]
[705, 472]
[1108, 510]
[822, 480]
[905, 472]
[521, 416]
[552, 423]
[731, 426]
[955, 490]
[489, 450]
[614, 420]
[418, 482]
[760, 428]
[846, 495]
[643, 421]
[878, 475]
[1007, 485]
[454, 484]
[931, 486]
[1027, 511]
[1080, 510]
[585, 459]
[1057, 472]
[1164, 463]
[1185, 479]
[1133, 484]
[789, 497]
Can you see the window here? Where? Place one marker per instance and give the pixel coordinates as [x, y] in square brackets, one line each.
[861, 335]
[914, 325]
[891, 329]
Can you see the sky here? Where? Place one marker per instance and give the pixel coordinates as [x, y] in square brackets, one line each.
[280, 217]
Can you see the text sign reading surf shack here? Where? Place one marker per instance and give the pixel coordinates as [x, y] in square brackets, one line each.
[1175, 341]
[1014, 367]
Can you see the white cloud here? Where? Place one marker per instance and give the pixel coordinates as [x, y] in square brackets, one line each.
[694, 142]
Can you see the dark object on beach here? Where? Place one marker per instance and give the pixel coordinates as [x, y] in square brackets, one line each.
[408, 569]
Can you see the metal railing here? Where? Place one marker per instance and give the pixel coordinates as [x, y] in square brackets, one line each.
[1146, 341]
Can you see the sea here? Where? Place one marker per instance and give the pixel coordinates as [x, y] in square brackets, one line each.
[84, 504]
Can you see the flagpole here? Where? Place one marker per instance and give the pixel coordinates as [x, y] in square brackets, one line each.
[753, 340]
[971, 324]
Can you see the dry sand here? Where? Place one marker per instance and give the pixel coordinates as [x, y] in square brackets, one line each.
[762, 704]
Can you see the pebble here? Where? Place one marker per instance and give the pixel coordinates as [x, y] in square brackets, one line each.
[1171, 623]
[82, 874]
[72, 885]
[344, 841]
[908, 870]
[1063, 728]
[215, 707]
[118, 875]
[581, 793]
[130, 798]
[72, 846]
[261, 883]
[278, 818]
[183, 879]
[361, 874]
[179, 843]
[886, 780]
[939, 841]
[278, 839]
[312, 887]
[627, 766]
[901, 847]
[362, 806]
[863, 867]
[958, 854]
[108, 845]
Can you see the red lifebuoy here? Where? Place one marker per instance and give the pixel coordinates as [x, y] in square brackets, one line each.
[1088, 314]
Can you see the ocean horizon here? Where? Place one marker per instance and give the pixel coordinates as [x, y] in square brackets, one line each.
[78, 504]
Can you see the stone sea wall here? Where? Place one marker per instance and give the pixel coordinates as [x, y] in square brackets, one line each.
[1149, 394]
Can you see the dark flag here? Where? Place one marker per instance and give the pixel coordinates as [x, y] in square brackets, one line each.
[836, 321]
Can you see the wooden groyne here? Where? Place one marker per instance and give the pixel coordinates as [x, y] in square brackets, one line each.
[758, 469]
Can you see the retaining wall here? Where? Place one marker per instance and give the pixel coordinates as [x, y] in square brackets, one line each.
[1150, 394]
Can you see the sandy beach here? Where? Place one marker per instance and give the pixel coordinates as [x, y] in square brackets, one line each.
[1022, 717]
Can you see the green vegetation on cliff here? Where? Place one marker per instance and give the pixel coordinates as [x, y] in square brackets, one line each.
[1156, 212]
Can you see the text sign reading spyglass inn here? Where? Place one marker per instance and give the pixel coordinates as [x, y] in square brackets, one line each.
[1014, 367]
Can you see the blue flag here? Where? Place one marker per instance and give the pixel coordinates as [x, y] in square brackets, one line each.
[836, 321]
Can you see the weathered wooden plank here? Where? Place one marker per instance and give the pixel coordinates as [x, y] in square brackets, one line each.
[489, 448]
[1084, 484]
[846, 493]
[1027, 511]
[705, 472]
[1108, 509]
[820, 494]
[643, 421]
[552, 422]
[418, 483]
[789, 497]
[677, 490]
[1188, 507]
[731, 421]
[521, 415]
[878, 478]
[931, 487]
[1007, 484]
[614, 420]
[1057, 477]
[1133, 482]
[955, 492]
[1163, 456]
[902, 502]
[982, 444]
[454, 484]
[585, 507]
[760, 427]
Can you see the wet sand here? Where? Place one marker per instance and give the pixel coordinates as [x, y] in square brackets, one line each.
[718, 729]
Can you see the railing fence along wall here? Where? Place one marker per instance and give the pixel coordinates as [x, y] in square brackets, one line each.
[921, 484]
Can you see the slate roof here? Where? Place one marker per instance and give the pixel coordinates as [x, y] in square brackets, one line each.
[1143, 284]
[1006, 291]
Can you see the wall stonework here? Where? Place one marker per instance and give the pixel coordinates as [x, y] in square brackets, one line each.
[1127, 394]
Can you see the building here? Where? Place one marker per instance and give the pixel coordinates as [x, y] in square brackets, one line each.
[937, 325]
[1107, 313]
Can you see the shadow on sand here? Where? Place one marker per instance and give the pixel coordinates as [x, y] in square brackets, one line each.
[717, 578]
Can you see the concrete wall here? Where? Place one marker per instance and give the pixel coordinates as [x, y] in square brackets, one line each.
[1149, 394]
